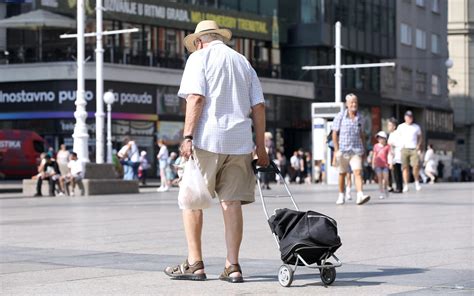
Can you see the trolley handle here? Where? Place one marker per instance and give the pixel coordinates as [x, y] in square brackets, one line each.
[271, 168]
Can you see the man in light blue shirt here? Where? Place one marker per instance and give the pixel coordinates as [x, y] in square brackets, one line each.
[223, 97]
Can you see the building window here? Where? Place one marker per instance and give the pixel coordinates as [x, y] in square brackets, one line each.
[435, 6]
[406, 81]
[435, 87]
[420, 39]
[249, 6]
[229, 4]
[267, 7]
[420, 3]
[420, 82]
[435, 43]
[405, 34]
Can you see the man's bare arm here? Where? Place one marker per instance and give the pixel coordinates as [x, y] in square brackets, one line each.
[258, 117]
[194, 106]
[335, 140]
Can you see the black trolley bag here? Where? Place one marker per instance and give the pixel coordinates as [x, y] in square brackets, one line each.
[304, 238]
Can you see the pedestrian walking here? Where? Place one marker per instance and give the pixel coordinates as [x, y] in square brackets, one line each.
[281, 162]
[269, 146]
[163, 158]
[431, 164]
[309, 168]
[302, 160]
[220, 87]
[410, 139]
[295, 166]
[380, 163]
[143, 168]
[349, 140]
[395, 156]
[368, 173]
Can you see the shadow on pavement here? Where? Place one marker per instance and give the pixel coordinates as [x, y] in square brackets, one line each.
[349, 278]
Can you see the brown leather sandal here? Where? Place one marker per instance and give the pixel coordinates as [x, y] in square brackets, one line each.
[185, 271]
[225, 276]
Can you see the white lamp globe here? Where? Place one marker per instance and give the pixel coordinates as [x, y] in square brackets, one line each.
[109, 98]
[449, 63]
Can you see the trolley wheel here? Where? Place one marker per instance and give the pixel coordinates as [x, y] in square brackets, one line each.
[328, 275]
[285, 275]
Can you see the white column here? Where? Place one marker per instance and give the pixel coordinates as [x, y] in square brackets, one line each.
[109, 133]
[81, 137]
[99, 59]
[338, 74]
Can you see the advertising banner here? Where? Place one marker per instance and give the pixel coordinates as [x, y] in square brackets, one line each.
[53, 96]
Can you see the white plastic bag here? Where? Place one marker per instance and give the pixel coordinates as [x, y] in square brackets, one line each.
[193, 192]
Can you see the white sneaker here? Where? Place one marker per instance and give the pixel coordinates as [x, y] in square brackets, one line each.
[405, 188]
[60, 194]
[362, 198]
[348, 195]
[417, 186]
[340, 199]
[163, 189]
[381, 196]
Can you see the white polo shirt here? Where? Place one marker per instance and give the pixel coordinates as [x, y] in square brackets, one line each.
[408, 135]
[231, 88]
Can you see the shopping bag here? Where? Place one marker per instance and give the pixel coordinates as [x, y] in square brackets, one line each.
[193, 192]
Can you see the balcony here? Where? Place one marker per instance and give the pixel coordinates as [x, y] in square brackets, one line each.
[118, 55]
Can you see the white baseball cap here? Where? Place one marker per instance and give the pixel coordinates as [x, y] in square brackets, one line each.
[381, 134]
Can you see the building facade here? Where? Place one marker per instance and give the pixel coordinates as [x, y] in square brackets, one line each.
[37, 91]
[367, 36]
[419, 80]
[461, 76]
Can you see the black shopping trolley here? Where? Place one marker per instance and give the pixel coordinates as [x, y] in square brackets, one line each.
[304, 238]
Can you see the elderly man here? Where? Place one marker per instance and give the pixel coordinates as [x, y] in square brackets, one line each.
[410, 140]
[223, 96]
[349, 140]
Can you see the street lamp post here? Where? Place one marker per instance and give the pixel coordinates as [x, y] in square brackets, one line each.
[81, 137]
[109, 99]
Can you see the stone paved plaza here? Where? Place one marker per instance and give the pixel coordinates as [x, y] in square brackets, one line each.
[419, 243]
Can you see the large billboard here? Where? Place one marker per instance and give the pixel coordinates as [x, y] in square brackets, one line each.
[168, 14]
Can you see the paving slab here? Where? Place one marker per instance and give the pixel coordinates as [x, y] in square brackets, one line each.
[419, 243]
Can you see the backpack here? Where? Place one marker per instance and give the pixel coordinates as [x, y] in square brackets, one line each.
[329, 140]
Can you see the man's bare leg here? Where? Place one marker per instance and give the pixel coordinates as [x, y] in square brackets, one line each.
[416, 173]
[192, 220]
[358, 180]
[406, 174]
[233, 222]
[342, 182]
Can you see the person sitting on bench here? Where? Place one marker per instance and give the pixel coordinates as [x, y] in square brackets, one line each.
[75, 175]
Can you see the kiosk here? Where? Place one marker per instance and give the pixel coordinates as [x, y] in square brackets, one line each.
[322, 115]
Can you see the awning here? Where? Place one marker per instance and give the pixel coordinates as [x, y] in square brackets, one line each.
[38, 19]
